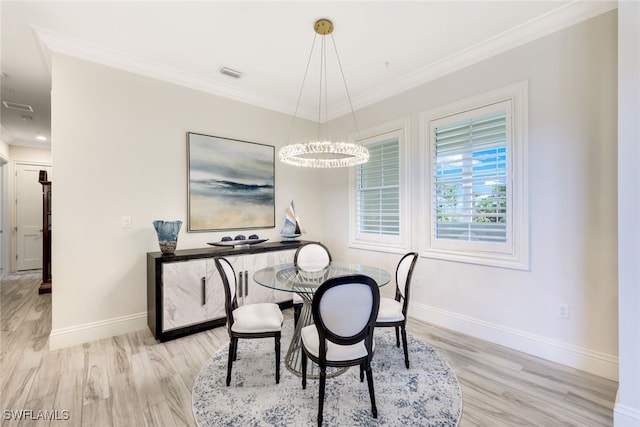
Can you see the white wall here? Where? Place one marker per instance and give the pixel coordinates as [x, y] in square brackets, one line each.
[572, 202]
[627, 409]
[120, 149]
[21, 154]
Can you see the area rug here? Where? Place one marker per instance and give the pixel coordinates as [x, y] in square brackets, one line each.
[427, 394]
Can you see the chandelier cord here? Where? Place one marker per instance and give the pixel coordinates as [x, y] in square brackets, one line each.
[346, 88]
[304, 79]
[323, 61]
[326, 92]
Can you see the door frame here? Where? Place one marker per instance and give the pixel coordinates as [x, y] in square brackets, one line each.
[14, 212]
[5, 226]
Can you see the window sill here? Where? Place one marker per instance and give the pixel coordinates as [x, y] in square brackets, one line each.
[509, 261]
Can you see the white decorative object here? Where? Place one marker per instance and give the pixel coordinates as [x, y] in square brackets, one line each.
[324, 154]
[291, 229]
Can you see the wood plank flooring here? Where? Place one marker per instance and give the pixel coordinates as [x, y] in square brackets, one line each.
[132, 380]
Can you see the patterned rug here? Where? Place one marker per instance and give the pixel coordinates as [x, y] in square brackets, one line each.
[428, 394]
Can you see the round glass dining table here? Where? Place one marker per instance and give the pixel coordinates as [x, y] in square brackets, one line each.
[290, 278]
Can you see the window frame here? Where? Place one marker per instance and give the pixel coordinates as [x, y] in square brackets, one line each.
[391, 244]
[514, 253]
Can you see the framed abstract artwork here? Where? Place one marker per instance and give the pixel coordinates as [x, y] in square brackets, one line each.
[231, 184]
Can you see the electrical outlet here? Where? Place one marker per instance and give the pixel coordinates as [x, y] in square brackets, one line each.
[563, 311]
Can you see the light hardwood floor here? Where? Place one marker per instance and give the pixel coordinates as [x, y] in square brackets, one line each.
[132, 380]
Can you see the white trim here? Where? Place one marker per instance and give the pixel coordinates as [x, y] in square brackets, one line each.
[563, 17]
[403, 243]
[51, 41]
[517, 256]
[73, 335]
[625, 416]
[603, 365]
[556, 20]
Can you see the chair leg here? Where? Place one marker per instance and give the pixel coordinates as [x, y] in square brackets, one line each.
[235, 350]
[232, 350]
[278, 359]
[372, 395]
[404, 346]
[397, 336]
[304, 370]
[323, 380]
[362, 372]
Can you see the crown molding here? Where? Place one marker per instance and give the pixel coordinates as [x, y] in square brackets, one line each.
[556, 20]
[51, 41]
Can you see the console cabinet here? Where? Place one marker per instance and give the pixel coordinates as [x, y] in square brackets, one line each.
[185, 293]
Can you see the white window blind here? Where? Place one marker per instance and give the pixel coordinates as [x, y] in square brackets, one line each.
[475, 180]
[471, 179]
[378, 190]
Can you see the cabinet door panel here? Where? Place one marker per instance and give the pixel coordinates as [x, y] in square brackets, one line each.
[215, 293]
[257, 293]
[182, 294]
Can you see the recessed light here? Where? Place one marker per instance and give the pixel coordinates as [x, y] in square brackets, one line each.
[41, 138]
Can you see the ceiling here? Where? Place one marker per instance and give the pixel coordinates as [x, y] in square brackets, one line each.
[384, 47]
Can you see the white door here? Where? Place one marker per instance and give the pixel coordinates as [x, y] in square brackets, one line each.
[29, 216]
[2, 192]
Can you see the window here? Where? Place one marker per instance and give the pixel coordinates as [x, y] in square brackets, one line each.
[475, 202]
[378, 191]
[470, 175]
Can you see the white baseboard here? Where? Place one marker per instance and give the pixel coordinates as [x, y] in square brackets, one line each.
[624, 416]
[67, 337]
[600, 364]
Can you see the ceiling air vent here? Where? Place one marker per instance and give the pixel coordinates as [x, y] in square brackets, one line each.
[231, 73]
[16, 106]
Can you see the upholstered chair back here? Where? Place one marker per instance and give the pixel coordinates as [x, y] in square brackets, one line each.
[345, 308]
[404, 272]
[312, 257]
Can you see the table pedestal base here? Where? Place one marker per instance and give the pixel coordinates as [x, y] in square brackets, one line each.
[293, 358]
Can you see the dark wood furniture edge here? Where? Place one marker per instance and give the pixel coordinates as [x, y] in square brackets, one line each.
[45, 287]
[154, 273]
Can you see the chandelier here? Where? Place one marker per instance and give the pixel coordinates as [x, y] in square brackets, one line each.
[323, 154]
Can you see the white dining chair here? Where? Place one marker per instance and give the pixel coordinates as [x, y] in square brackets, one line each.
[260, 320]
[393, 311]
[309, 257]
[342, 333]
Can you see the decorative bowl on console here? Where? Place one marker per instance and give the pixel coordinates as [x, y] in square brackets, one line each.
[238, 241]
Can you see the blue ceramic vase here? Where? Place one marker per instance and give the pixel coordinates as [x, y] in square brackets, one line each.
[167, 235]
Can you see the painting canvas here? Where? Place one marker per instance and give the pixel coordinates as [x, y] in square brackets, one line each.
[231, 184]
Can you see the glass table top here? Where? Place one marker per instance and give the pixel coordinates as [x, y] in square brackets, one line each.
[288, 277]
